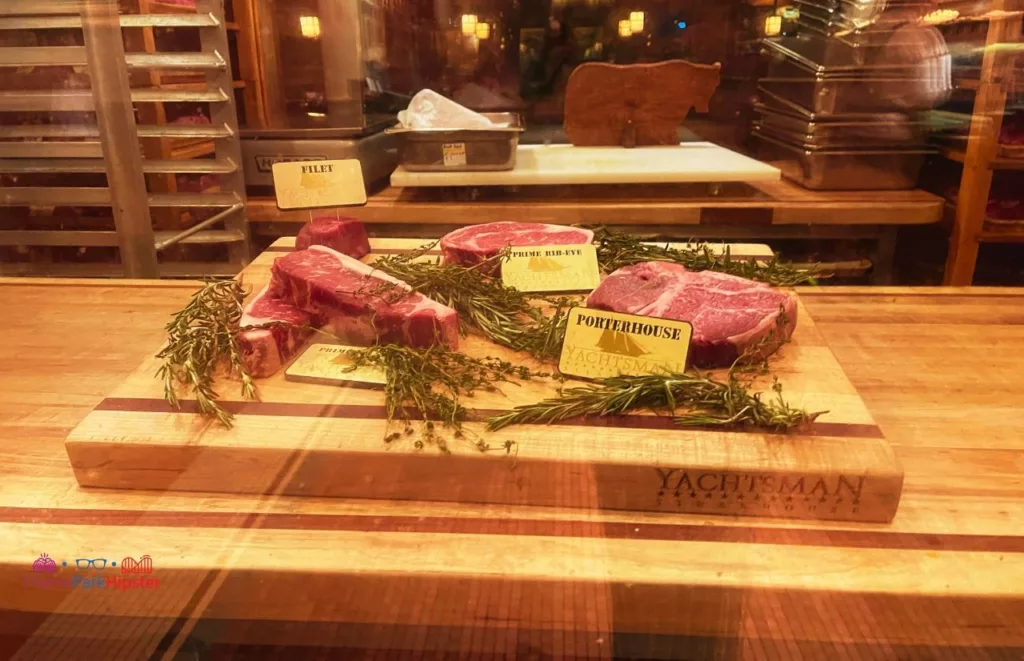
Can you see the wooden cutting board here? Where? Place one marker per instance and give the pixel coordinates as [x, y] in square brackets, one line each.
[559, 165]
[323, 440]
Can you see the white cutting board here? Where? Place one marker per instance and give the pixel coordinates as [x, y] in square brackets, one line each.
[551, 165]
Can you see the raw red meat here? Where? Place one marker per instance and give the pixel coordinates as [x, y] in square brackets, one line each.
[471, 245]
[728, 314]
[361, 303]
[266, 350]
[342, 233]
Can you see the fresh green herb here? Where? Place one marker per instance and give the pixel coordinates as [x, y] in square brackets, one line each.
[707, 402]
[615, 250]
[502, 314]
[201, 339]
[432, 382]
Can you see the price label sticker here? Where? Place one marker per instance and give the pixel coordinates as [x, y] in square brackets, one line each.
[454, 154]
[316, 184]
[600, 344]
[552, 268]
[328, 364]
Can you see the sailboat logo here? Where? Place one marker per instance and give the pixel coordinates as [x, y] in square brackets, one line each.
[544, 265]
[314, 180]
[620, 343]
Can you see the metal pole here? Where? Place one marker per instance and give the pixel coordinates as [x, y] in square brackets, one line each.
[112, 94]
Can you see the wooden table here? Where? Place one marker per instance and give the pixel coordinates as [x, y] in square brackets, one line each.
[740, 212]
[939, 369]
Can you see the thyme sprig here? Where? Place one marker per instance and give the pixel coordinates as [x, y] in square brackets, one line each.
[433, 382]
[707, 402]
[201, 339]
[615, 250]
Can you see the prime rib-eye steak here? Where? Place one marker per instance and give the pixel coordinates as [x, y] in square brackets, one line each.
[477, 243]
[729, 314]
[360, 303]
[344, 234]
[266, 350]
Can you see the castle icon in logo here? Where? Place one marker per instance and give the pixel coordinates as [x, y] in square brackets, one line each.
[620, 343]
[44, 564]
[143, 565]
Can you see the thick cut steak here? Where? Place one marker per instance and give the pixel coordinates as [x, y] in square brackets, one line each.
[266, 350]
[361, 303]
[344, 234]
[728, 314]
[476, 243]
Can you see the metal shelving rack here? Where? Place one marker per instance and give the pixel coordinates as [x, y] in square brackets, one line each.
[111, 146]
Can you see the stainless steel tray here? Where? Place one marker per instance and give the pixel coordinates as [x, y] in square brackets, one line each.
[836, 55]
[461, 150]
[842, 169]
[886, 131]
[785, 106]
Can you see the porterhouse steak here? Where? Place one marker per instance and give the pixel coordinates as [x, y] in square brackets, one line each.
[729, 314]
[360, 303]
[266, 350]
[477, 243]
[342, 233]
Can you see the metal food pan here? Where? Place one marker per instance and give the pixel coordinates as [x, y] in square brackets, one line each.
[837, 94]
[462, 150]
[884, 131]
[822, 53]
[787, 107]
[842, 169]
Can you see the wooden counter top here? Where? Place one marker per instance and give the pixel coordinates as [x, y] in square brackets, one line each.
[940, 371]
[733, 210]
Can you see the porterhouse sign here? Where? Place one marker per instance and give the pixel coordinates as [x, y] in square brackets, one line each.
[600, 344]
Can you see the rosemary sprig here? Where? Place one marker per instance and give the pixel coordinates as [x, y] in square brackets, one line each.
[615, 250]
[502, 314]
[708, 402]
[433, 382]
[201, 338]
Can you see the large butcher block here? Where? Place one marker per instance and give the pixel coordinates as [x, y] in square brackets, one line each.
[313, 439]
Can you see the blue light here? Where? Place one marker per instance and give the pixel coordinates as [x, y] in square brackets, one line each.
[681, 25]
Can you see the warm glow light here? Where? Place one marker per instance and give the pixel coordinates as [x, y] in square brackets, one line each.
[636, 21]
[310, 26]
[940, 16]
[469, 24]
[772, 26]
[483, 30]
[624, 28]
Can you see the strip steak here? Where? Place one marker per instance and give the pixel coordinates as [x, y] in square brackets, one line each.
[266, 350]
[728, 314]
[476, 243]
[345, 234]
[361, 303]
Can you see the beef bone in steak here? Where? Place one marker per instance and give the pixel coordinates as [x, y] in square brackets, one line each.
[728, 314]
[342, 233]
[266, 350]
[360, 303]
[474, 244]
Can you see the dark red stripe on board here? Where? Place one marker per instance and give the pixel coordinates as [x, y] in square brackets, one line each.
[503, 525]
[374, 412]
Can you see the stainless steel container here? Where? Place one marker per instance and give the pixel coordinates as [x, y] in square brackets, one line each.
[883, 131]
[841, 169]
[461, 150]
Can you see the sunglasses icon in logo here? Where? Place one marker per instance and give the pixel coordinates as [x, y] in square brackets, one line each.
[85, 563]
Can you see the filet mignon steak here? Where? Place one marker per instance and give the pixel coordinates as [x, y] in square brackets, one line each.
[360, 303]
[345, 234]
[476, 243]
[729, 314]
[266, 350]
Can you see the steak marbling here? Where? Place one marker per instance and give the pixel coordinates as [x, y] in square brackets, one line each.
[343, 234]
[476, 243]
[266, 350]
[729, 314]
[361, 303]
